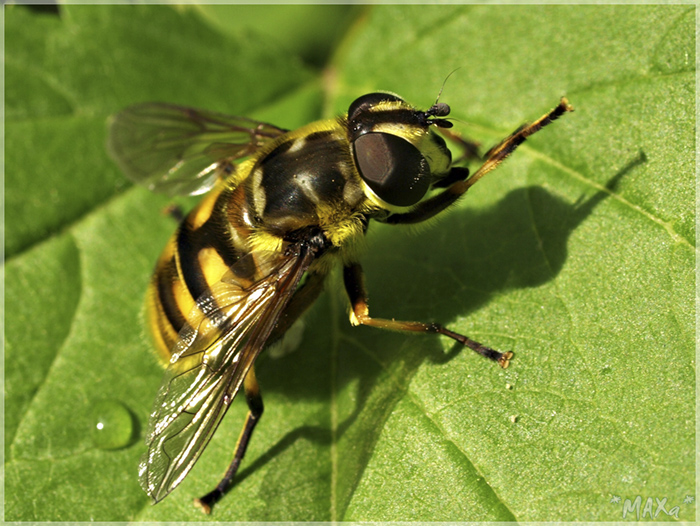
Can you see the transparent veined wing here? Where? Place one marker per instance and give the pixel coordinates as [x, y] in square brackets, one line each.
[225, 333]
[179, 150]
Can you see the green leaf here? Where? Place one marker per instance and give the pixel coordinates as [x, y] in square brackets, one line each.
[577, 254]
[310, 30]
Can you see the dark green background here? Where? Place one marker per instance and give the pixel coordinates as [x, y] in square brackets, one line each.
[590, 285]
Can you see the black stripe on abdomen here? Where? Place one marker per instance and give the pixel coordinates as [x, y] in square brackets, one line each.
[166, 280]
[211, 235]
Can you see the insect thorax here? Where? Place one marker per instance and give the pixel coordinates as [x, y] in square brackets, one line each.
[307, 178]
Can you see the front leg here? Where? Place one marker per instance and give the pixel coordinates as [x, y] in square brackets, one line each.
[359, 315]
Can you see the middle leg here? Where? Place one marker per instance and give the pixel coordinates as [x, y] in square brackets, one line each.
[359, 315]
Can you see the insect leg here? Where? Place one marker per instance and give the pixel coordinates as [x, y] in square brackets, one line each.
[359, 315]
[495, 156]
[301, 300]
[502, 150]
[255, 410]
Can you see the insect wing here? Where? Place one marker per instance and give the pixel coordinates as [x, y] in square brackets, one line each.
[224, 335]
[178, 150]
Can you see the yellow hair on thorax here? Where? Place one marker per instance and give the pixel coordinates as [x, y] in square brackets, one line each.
[261, 240]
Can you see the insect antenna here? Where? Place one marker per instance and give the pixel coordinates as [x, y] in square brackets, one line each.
[440, 109]
[443, 85]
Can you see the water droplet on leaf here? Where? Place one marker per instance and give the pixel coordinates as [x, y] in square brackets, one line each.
[113, 425]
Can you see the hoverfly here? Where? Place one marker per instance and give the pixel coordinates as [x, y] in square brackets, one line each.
[281, 206]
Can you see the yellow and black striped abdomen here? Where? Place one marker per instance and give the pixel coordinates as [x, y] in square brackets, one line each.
[196, 257]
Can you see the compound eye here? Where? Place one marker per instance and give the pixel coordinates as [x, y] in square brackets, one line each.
[392, 167]
[365, 102]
